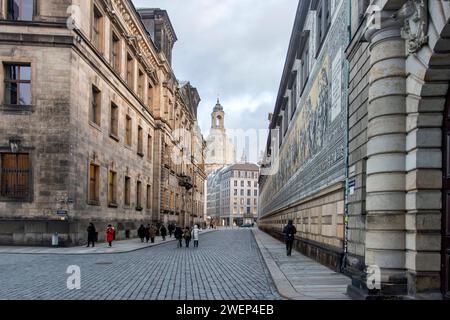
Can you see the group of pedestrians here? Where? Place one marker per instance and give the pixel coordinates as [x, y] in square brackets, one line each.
[188, 235]
[148, 234]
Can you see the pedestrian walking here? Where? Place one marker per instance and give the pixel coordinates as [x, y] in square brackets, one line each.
[163, 232]
[141, 233]
[187, 236]
[110, 234]
[289, 232]
[179, 236]
[171, 229]
[91, 235]
[195, 235]
[152, 233]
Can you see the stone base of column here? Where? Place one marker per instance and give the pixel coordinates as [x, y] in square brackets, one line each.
[396, 289]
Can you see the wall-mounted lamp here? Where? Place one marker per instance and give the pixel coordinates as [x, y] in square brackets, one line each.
[14, 145]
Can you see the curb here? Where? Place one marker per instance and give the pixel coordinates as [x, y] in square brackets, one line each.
[282, 284]
[96, 253]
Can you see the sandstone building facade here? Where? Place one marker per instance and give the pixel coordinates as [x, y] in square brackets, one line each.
[89, 107]
[307, 141]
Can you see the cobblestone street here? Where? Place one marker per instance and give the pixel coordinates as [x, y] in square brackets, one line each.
[228, 265]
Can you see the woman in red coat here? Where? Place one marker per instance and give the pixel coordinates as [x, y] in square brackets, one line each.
[110, 232]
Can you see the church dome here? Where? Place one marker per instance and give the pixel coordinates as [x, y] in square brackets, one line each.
[218, 107]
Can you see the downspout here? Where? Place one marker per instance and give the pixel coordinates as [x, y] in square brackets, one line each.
[346, 148]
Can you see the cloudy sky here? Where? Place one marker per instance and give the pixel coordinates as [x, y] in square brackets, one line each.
[232, 48]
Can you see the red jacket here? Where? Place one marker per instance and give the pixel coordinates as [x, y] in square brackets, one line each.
[110, 234]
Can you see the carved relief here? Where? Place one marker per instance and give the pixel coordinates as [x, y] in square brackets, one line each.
[415, 15]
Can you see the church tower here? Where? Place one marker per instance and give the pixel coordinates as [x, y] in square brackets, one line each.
[218, 117]
[220, 149]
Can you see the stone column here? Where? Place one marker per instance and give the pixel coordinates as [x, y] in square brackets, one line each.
[386, 152]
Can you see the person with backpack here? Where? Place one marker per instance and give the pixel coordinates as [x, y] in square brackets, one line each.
[110, 234]
[187, 236]
[289, 232]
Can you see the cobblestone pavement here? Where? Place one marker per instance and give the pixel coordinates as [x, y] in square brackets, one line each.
[228, 265]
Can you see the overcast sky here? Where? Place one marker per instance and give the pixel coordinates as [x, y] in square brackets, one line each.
[232, 48]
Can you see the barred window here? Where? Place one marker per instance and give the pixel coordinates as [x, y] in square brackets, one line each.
[15, 176]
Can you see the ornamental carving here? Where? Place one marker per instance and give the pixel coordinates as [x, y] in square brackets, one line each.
[415, 30]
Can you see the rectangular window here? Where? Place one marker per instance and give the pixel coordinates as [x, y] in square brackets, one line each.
[235, 192]
[140, 141]
[139, 195]
[242, 184]
[323, 22]
[249, 184]
[114, 130]
[97, 29]
[128, 130]
[20, 10]
[255, 193]
[95, 112]
[15, 176]
[242, 193]
[149, 95]
[249, 193]
[18, 84]
[94, 184]
[141, 85]
[115, 52]
[149, 148]
[130, 70]
[127, 195]
[149, 197]
[305, 67]
[112, 188]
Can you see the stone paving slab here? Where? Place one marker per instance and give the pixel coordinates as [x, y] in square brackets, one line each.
[299, 277]
[100, 248]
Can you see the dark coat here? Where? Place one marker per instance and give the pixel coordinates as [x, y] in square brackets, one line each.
[163, 231]
[178, 233]
[141, 232]
[91, 233]
[289, 232]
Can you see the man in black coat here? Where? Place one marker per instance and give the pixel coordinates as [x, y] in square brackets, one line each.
[91, 235]
[289, 232]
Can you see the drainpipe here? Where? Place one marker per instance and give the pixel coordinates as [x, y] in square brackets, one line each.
[346, 148]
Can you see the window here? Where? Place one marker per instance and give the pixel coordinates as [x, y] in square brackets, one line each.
[242, 184]
[149, 147]
[20, 10]
[140, 141]
[235, 183]
[18, 84]
[141, 85]
[127, 195]
[249, 184]
[305, 66]
[242, 193]
[235, 192]
[323, 22]
[15, 175]
[149, 95]
[149, 197]
[128, 130]
[255, 193]
[115, 52]
[130, 70]
[95, 112]
[242, 201]
[256, 182]
[114, 130]
[112, 188]
[249, 193]
[97, 29]
[94, 184]
[294, 95]
[139, 196]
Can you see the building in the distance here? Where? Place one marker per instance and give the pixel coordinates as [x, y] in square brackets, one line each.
[233, 193]
[88, 111]
[220, 151]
